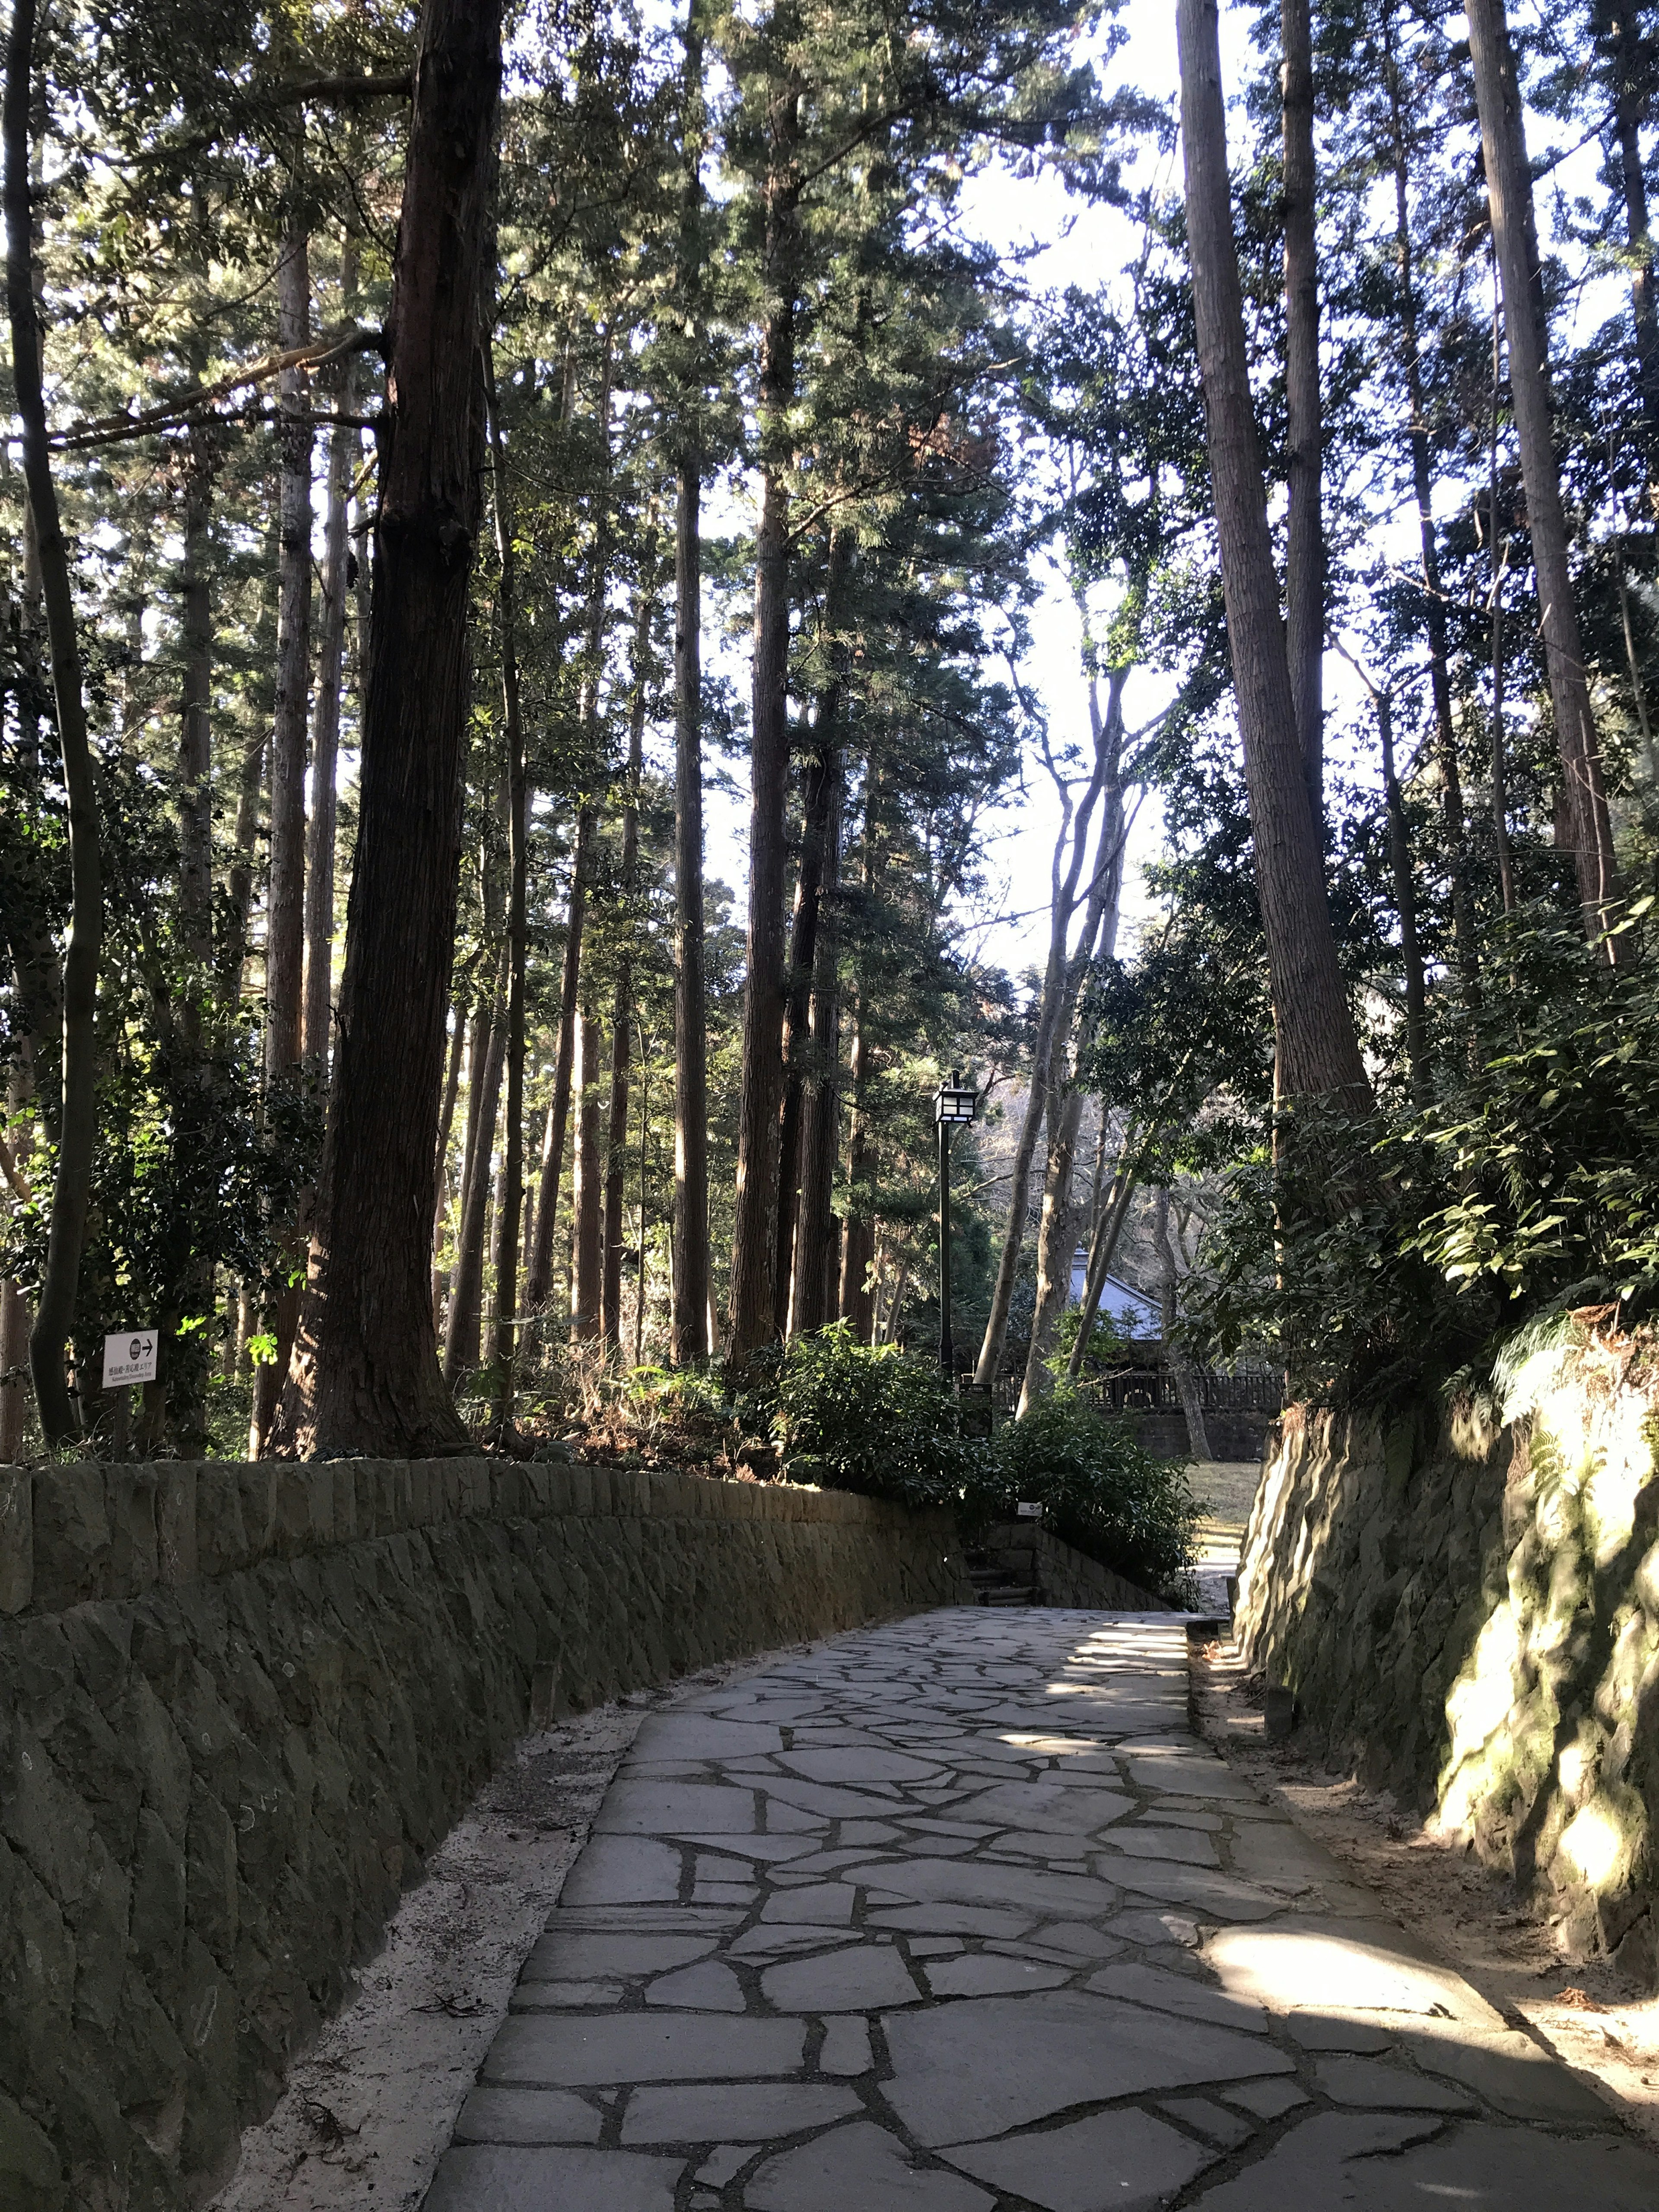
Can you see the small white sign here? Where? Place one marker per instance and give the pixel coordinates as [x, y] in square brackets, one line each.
[1023, 1512]
[129, 1357]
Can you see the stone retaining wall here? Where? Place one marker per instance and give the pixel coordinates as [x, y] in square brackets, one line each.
[239, 1704]
[1467, 1610]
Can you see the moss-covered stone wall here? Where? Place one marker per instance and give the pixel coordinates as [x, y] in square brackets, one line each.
[238, 1705]
[1466, 1607]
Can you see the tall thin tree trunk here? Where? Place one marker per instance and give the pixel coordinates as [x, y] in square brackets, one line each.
[585, 1184]
[823, 780]
[538, 1275]
[14, 1307]
[462, 1338]
[1509, 192]
[503, 1340]
[195, 738]
[1191, 1404]
[813, 1295]
[445, 1123]
[1434, 597]
[1057, 1234]
[1405, 899]
[622, 1015]
[1065, 879]
[1319, 1050]
[690, 1331]
[854, 1302]
[754, 1235]
[1304, 539]
[365, 1373]
[326, 722]
[1619, 28]
[78, 1115]
[691, 1230]
[285, 901]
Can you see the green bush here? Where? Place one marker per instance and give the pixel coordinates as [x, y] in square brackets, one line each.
[1101, 1491]
[871, 1418]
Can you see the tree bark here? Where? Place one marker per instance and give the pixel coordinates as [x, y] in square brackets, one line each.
[585, 1186]
[326, 722]
[691, 1232]
[77, 1118]
[1619, 29]
[1434, 598]
[754, 1235]
[1191, 1404]
[690, 1331]
[503, 1341]
[812, 1298]
[196, 736]
[1319, 1051]
[1508, 189]
[538, 1275]
[365, 1374]
[462, 1337]
[821, 796]
[854, 1302]
[1304, 536]
[285, 898]
[1405, 899]
[622, 1017]
[285, 901]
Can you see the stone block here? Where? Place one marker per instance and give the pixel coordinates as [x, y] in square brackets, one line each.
[16, 1539]
[175, 1525]
[257, 1486]
[221, 1543]
[129, 1501]
[73, 1551]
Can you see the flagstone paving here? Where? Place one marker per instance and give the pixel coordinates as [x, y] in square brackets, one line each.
[957, 1916]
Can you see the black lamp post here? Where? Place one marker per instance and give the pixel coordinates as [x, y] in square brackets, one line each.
[953, 1104]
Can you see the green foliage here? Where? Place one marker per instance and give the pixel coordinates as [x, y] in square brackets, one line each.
[870, 1419]
[1399, 1249]
[1101, 1489]
[876, 1420]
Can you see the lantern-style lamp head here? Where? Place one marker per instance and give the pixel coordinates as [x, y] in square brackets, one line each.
[955, 1101]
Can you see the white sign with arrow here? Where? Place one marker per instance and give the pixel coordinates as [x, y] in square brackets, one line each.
[129, 1357]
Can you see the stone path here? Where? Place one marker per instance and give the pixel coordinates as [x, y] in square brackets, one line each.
[957, 1916]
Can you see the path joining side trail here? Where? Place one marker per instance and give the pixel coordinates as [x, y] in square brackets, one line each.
[958, 1916]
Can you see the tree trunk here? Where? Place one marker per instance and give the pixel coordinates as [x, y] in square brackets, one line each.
[1509, 191]
[503, 1340]
[77, 1117]
[622, 1017]
[1304, 536]
[445, 1123]
[1405, 899]
[1434, 598]
[1057, 1235]
[1064, 877]
[820, 798]
[232, 952]
[690, 1329]
[325, 722]
[1192, 1403]
[539, 1276]
[1619, 29]
[585, 1185]
[854, 1302]
[14, 1309]
[195, 738]
[691, 1286]
[462, 1339]
[754, 1235]
[813, 1295]
[285, 899]
[365, 1373]
[1319, 1051]
[285, 903]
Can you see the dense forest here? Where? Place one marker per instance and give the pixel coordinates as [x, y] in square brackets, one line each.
[453, 448]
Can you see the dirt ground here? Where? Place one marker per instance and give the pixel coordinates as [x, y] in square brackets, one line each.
[1587, 2014]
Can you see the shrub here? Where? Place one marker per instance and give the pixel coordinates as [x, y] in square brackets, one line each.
[1101, 1492]
[870, 1419]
